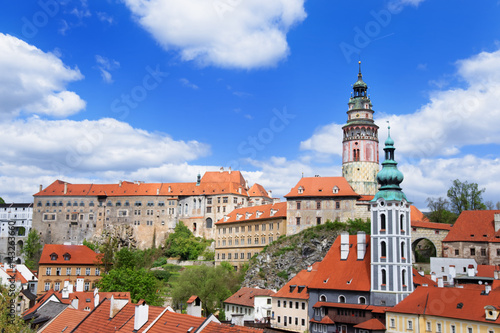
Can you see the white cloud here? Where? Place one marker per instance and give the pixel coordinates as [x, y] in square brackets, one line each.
[186, 83]
[105, 66]
[223, 33]
[34, 81]
[397, 5]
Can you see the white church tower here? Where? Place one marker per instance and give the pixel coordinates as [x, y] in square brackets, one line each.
[391, 260]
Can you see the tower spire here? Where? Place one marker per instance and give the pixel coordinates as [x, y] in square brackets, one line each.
[360, 77]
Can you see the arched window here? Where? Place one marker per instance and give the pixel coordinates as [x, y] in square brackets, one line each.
[361, 300]
[209, 223]
[402, 222]
[403, 250]
[341, 299]
[322, 298]
[383, 249]
[382, 222]
[403, 277]
[384, 276]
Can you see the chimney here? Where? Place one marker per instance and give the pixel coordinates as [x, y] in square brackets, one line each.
[79, 285]
[270, 193]
[497, 222]
[229, 170]
[440, 282]
[433, 276]
[41, 188]
[361, 245]
[344, 245]
[157, 191]
[470, 270]
[496, 275]
[74, 302]
[96, 297]
[169, 189]
[141, 314]
[65, 188]
[221, 169]
[487, 289]
[116, 305]
[453, 272]
[239, 190]
[120, 183]
[65, 293]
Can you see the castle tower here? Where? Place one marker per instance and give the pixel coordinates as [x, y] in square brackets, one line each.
[391, 262]
[360, 162]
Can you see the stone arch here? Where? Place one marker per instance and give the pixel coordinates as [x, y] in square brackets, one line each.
[19, 247]
[422, 249]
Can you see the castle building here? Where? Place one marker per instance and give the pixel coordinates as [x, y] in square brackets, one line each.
[140, 213]
[360, 160]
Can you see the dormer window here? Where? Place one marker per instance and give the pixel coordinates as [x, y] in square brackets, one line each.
[53, 256]
[238, 216]
[273, 211]
[67, 256]
[491, 312]
[258, 214]
[335, 189]
[301, 190]
[226, 218]
[247, 215]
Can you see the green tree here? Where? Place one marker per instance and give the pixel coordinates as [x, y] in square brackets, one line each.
[353, 226]
[1, 201]
[107, 251]
[212, 285]
[32, 250]
[10, 322]
[439, 211]
[90, 245]
[182, 243]
[465, 196]
[141, 284]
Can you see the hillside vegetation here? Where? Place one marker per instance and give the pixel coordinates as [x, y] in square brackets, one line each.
[285, 257]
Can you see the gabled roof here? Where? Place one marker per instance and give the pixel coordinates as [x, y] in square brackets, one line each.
[246, 296]
[487, 270]
[45, 313]
[371, 324]
[226, 328]
[420, 280]
[172, 322]
[211, 183]
[430, 225]
[98, 319]
[474, 226]
[296, 288]
[79, 254]
[417, 215]
[349, 274]
[257, 190]
[192, 299]
[459, 303]
[322, 187]
[65, 321]
[249, 214]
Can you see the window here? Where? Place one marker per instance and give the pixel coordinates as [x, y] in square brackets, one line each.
[209, 209]
[224, 200]
[498, 252]
[242, 256]
[86, 286]
[483, 253]
[249, 255]
[472, 251]
[410, 325]
[361, 300]
[393, 323]
[47, 286]
[229, 256]
[57, 286]
[403, 277]
[223, 256]
[457, 252]
[438, 327]
[384, 277]
[298, 220]
[298, 204]
[337, 204]
[341, 299]
[68, 271]
[382, 221]
[257, 227]
[402, 222]
[453, 329]
[87, 271]
[469, 329]
[78, 271]
[97, 271]
[58, 271]
[318, 220]
[383, 249]
[318, 204]
[48, 270]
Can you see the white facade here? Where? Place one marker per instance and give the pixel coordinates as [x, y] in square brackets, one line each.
[263, 308]
[449, 268]
[15, 221]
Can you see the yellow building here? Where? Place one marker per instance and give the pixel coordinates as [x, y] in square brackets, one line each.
[246, 231]
[472, 309]
[76, 264]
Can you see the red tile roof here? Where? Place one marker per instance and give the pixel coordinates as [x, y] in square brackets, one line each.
[474, 226]
[322, 187]
[371, 324]
[264, 211]
[421, 280]
[79, 254]
[417, 215]
[192, 299]
[98, 320]
[458, 303]
[172, 322]
[211, 183]
[65, 321]
[300, 282]
[487, 270]
[246, 296]
[366, 198]
[430, 225]
[226, 328]
[257, 190]
[349, 274]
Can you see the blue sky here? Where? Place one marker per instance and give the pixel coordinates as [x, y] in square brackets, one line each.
[102, 91]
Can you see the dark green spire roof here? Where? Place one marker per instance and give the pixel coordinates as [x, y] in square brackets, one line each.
[390, 177]
[360, 83]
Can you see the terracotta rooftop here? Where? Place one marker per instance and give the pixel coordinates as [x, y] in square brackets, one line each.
[322, 187]
[246, 296]
[430, 225]
[420, 280]
[458, 303]
[487, 270]
[64, 321]
[371, 325]
[257, 190]
[296, 288]
[226, 328]
[75, 254]
[172, 322]
[474, 226]
[255, 213]
[211, 183]
[192, 299]
[417, 215]
[349, 274]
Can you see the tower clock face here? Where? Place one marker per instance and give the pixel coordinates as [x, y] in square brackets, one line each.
[357, 115]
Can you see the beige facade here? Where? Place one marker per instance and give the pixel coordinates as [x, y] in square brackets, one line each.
[484, 253]
[246, 231]
[140, 212]
[290, 314]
